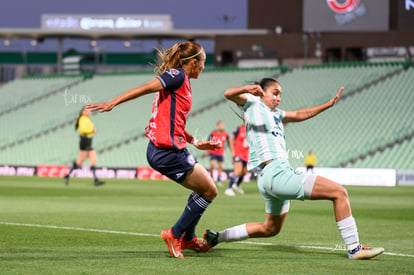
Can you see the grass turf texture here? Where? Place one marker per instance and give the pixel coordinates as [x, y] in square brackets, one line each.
[384, 216]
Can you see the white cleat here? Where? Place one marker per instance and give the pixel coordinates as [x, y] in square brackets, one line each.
[238, 189]
[364, 252]
[229, 192]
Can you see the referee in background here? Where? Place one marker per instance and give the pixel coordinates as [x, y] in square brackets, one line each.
[310, 161]
[86, 131]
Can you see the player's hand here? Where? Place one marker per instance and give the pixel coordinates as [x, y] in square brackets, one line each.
[208, 145]
[255, 90]
[335, 99]
[101, 107]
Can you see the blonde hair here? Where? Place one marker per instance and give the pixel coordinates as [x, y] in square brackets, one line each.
[178, 55]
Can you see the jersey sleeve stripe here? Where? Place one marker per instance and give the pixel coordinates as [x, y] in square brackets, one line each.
[162, 81]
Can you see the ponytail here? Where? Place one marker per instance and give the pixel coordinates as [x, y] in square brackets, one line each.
[77, 120]
[178, 55]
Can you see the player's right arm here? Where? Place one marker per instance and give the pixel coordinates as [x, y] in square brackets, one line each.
[150, 87]
[231, 145]
[237, 94]
[232, 141]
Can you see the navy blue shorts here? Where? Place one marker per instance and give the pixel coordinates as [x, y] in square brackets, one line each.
[172, 163]
[216, 157]
[239, 159]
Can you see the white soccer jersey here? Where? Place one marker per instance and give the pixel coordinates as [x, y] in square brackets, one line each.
[265, 133]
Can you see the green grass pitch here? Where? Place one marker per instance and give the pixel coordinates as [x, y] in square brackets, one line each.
[48, 228]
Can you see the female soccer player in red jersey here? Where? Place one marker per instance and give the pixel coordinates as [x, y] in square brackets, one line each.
[217, 155]
[240, 153]
[167, 152]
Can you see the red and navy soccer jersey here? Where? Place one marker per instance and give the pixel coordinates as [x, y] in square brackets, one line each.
[241, 147]
[169, 111]
[216, 136]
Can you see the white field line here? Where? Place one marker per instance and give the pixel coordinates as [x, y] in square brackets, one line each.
[157, 235]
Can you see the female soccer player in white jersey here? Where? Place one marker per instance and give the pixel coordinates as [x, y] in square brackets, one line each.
[277, 181]
[167, 148]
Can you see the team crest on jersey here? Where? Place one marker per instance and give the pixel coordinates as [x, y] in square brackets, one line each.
[173, 72]
[191, 160]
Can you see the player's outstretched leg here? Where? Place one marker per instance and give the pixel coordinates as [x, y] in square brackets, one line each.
[271, 227]
[326, 189]
[182, 234]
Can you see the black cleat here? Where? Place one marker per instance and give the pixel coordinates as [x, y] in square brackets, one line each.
[98, 182]
[66, 179]
[210, 238]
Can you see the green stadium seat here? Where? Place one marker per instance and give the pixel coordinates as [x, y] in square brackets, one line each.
[359, 125]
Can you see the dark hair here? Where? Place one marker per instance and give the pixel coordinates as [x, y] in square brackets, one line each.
[266, 82]
[263, 83]
[77, 120]
[178, 55]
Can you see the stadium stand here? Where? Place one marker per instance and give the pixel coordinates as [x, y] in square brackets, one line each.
[376, 117]
[20, 92]
[207, 95]
[315, 84]
[399, 155]
[52, 120]
[27, 110]
[369, 127]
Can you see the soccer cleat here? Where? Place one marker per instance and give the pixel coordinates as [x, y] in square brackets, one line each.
[66, 179]
[98, 182]
[229, 192]
[173, 243]
[210, 238]
[364, 252]
[238, 189]
[194, 245]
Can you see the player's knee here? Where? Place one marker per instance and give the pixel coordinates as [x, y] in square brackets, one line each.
[211, 194]
[341, 192]
[270, 231]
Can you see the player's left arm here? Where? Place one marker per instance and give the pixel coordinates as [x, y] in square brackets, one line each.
[232, 140]
[150, 87]
[202, 144]
[304, 114]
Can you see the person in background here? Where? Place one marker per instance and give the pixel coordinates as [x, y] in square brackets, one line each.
[217, 155]
[167, 148]
[86, 131]
[240, 152]
[310, 161]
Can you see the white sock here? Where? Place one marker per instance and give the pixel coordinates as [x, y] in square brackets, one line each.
[233, 234]
[349, 232]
